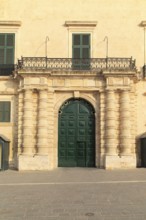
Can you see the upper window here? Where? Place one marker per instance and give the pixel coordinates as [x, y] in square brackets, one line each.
[82, 33]
[81, 51]
[7, 43]
[5, 111]
[7, 49]
[81, 46]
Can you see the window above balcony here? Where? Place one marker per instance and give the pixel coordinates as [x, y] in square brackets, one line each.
[8, 46]
[7, 51]
[81, 51]
[82, 28]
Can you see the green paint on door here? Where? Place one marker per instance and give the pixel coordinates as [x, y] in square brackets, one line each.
[76, 134]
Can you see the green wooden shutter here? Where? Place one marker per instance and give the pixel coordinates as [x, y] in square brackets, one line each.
[81, 51]
[5, 109]
[2, 56]
[85, 46]
[1, 112]
[10, 42]
[76, 46]
[7, 48]
[81, 46]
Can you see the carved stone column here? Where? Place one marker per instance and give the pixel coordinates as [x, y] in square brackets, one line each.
[42, 134]
[110, 123]
[125, 136]
[28, 147]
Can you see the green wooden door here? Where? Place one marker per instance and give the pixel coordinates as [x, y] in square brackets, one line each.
[143, 152]
[76, 134]
[0, 156]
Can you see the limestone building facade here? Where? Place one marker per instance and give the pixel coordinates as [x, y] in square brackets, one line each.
[71, 95]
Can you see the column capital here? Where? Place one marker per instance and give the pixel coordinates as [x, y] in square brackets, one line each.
[27, 89]
[110, 90]
[124, 90]
[42, 89]
[20, 91]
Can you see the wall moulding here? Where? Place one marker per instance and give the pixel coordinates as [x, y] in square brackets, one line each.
[10, 23]
[80, 23]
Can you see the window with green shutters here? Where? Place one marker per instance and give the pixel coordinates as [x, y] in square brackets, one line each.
[81, 51]
[5, 111]
[7, 51]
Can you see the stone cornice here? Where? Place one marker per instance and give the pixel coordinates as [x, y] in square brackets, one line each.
[120, 73]
[8, 93]
[80, 23]
[10, 23]
[5, 78]
[48, 73]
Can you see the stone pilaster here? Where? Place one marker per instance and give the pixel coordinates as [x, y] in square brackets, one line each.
[102, 129]
[51, 135]
[42, 132]
[133, 120]
[28, 148]
[125, 133]
[110, 147]
[20, 121]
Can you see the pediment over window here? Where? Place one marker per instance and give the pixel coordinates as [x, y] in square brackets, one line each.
[10, 23]
[80, 23]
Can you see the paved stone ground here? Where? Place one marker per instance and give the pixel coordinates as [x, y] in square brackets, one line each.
[73, 194]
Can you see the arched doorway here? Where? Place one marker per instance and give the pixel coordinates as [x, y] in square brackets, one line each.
[76, 134]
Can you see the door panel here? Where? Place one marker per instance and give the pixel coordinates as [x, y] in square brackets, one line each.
[81, 154]
[76, 144]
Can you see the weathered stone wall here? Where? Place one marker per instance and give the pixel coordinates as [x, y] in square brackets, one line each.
[42, 95]
[42, 29]
[116, 19]
[119, 114]
[8, 92]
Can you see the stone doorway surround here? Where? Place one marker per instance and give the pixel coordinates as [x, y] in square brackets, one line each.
[41, 94]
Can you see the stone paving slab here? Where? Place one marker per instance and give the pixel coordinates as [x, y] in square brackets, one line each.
[73, 175]
[73, 194]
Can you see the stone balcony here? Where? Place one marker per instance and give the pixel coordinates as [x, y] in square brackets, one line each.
[97, 65]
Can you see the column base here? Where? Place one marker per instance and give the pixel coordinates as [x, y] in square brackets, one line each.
[120, 162]
[37, 162]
